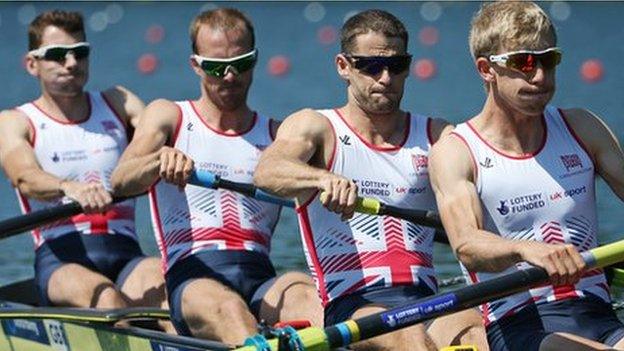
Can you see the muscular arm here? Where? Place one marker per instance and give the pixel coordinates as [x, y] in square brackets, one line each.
[451, 172]
[603, 146]
[22, 168]
[460, 210]
[142, 162]
[126, 104]
[294, 164]
[19, 161]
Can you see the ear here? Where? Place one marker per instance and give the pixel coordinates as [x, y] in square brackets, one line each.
[196, 67]
[342, 66]
[31, 65]
[485, 70]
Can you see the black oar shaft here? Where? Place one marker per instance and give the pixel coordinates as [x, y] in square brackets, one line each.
[16, 225]
[440, 304]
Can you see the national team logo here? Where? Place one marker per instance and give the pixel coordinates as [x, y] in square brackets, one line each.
[571, 161]
[419, 162]
[503, 209]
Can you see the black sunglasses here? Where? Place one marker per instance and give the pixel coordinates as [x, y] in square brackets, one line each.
[58, 53]
[373, 65]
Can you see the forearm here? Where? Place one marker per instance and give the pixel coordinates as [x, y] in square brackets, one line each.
[288, 178]
[487, 252]
[135, 175]
[40, 185]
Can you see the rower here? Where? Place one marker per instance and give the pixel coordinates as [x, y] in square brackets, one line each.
[64, 146]
[214, 243]
[365, 264]
[515, 186]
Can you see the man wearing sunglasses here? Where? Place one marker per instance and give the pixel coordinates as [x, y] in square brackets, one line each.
[515, 186]
[370, 147]
[214, 243]
[64, 145]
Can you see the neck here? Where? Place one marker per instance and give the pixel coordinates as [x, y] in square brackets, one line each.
[510, 130]
[377, 129]
[65, 108]
[231, 122]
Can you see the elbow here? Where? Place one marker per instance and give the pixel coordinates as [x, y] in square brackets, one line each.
[117, 184]
[464, 255]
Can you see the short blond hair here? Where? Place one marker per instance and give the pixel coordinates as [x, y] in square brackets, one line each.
[508, 26]
[222, 18]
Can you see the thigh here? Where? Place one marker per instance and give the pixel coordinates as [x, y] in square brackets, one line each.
[570, 342]
[464, 327]
[74, 285]
[411, 338]
[210, 309]
[142, 281]
[291, 296]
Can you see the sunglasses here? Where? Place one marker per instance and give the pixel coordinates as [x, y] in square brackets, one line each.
[59, 53]
[526, 60]
[373, 65]
[220, 67]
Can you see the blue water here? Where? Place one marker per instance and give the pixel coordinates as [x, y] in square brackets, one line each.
[586, 31]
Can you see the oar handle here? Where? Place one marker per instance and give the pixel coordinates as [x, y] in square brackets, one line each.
[421, 217]
[16, 225]
[214, 181]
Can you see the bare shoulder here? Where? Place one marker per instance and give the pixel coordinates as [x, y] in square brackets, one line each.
[439, 128]
[126, 104]
[14, 123]
[588, 127]
[450, 155]
[305, 123]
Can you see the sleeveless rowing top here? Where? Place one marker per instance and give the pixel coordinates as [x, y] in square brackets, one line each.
[86, 151]
[369, 252]
[196, 218]
[548, 196]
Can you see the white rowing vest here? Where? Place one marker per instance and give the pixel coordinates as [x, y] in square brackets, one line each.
[367, 251]
[197, 218]
[548, 196]
[86, 151]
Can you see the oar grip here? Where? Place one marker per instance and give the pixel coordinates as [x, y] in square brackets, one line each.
[205, 179]
[362, 204]
[604, 255]
[368, 205]
[264, 196]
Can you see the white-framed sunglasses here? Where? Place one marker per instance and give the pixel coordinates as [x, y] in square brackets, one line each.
[526, 60]
[219, 67]
[58, 52]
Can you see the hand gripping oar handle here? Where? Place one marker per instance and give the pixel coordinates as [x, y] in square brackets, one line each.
[364, 205]
[421, 217]
[16, 225]
[214, 181]
[351, 331]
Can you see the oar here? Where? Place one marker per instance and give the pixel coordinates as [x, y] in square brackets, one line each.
[16, 225]
[351, 331]
[364, 205]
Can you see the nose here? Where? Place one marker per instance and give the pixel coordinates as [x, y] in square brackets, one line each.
[70, 60]
[539, 74]
[385, 76]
